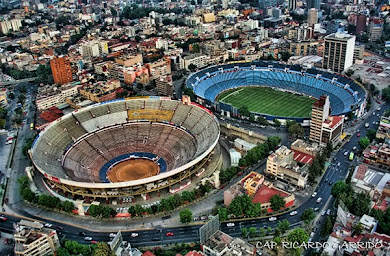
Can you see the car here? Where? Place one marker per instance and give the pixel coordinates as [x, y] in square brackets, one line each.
[377, 115]
[338, 164]
[48, 225]
[293, 213]
[87, 238]
[3, 218]
[314, 194]
[345, 153]
[379, 109]
[316, 209]
[94, 242]
[230, 225]
[358, 131]
[134, 234]
[358, 135]
[169, 234]
[327, 179]
[330, 182]
[319, 200]
[328, 212]
[354, 148]
[112, 235]
[373, 113]
[6, 241]
[196, 218]
[323, 213]
[272, 218]
[373, 122]
[59, 227]
[82, 234]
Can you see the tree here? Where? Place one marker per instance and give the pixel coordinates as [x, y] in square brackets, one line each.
[67, 206]
[244, 110]
[277, 122]
[262, 232]
[358, 228]
[371, 134]
[185, 216]
[387, 113]
[298, 235]
[192, 67]
[386, 94]
[338, 188]
[222, 212]
[103, 250]
[261, 120]
[113, 12]
[244, 232]
[252, 231]
[277, 202]
[283, 226]
[2, 123]
[364, 142]
[28, 195]
[296, 130]
[308, 214]
[326, 227]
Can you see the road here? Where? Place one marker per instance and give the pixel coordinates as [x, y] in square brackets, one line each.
[190, 233]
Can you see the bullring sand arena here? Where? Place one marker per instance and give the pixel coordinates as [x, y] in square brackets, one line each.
[133, 169]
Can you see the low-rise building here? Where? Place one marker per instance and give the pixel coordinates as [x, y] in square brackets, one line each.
[377, 154]
[199, 60]
[100, 91]
[383, 131]
[281, 165]
[222, 244]
[33, 239]
[52, 95]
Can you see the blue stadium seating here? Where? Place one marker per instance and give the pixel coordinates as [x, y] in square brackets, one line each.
[312, 82]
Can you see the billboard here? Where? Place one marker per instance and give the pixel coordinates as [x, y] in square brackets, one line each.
[209, 229]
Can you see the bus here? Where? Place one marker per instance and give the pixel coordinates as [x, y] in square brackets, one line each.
[32, 126]
[351, 155]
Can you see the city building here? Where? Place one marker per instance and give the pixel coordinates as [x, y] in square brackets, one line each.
[265, 4]
[292, 4]
[358, 54]
[13, 25]
[221, 244]
[312, 16]
[94, 48]
[61, 70]
[377, 154]
[361, 24]
[3, 97]
[325, 128]
[159, 68]
[129, 60]
[101, 91]
[33, 239]
[375, 28]
[383, 131]
[51, 95]
[281, 165]
[303, 48]
[338, 52]
[199, 60]
[164, 85]
[316, 4]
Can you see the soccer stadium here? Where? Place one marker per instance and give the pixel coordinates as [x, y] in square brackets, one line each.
[274, 90]
[125, 148]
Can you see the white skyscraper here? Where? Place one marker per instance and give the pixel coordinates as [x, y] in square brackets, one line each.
[338, 52]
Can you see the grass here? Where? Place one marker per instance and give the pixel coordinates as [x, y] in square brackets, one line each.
[265, 100]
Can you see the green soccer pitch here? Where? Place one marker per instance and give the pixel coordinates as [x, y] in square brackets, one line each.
[264, 100]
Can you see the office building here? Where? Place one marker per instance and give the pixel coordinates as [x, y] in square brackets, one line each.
[61, 70]
[316, 4]
[292, 4]
[164, 85]
[375, 28]
[33, 239]
[312, 17]
[338, 52]
[323, 127]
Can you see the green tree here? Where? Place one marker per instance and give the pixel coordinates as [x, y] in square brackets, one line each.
[371, 134]
[222, 212]
[23, 182]
[283, 226]
[358, 228]
[277, 122]
[364, 142]
[244, 111]
[308, 214]
[244, 232]
[252, 231]
[339, 187]
[327, 227]
[277, 202]
[192, 67]
[296, 130]
[28, 195]
[261, 120]
[113, 12]
[298, 235]
[185, 216]
[2, 123]
[262, 232]
[386, 94]
[67, 206]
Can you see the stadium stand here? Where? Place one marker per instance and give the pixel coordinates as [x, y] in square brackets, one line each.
[345, 94]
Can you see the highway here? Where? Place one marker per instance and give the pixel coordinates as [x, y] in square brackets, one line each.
[190, 233]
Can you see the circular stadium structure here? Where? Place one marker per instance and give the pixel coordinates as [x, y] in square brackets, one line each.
[126, 147]
[345, 94]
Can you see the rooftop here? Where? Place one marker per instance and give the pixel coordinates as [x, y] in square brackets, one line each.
[264, 194]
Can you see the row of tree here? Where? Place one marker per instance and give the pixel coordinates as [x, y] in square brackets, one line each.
[70, 247]
[51, 202]
[259, 152]
[318, 165]
[172, 202]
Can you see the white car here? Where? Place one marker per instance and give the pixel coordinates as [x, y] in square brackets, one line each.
[314, 194]
[354, 148]
[323, 213]
[48, 225]
[134, 234]
[338, 164]
[293, 213]
[112, 235]
[88, 238]
[345, 153]
[272, 219]
[328, 212]
[230, 225]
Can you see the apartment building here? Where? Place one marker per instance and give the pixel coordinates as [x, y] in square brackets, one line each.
[198, 60]
[338, 52]
[33, 239]
[51, 96]
[164, 85]
[61, 70]
[13, 25]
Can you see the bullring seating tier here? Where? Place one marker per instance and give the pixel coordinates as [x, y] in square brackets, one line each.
[344, 93]
[75, 147]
